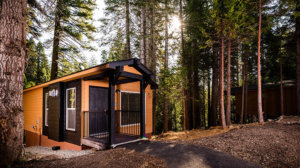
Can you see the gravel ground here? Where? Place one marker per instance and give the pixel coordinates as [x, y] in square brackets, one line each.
[114, 158]
[274, 144]
[46, 153]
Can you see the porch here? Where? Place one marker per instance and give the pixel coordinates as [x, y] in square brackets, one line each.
[106, 126]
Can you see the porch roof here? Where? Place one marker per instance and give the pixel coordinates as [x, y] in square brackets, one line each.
[92, 72]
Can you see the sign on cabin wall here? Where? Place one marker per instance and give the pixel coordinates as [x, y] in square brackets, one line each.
[53, 93]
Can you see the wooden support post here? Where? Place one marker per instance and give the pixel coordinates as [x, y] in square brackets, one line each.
[111, 108]
[142, 107]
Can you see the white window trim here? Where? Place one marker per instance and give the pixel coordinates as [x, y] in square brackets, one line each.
[127, 125]
[46, 109]
[67, 114]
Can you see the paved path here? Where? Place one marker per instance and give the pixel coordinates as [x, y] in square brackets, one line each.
[190, 156]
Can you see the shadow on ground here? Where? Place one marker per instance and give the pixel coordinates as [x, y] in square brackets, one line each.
[181, 155]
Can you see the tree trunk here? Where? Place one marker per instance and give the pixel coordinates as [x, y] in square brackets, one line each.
[243, 95]
[56, 41]
[228, 111]
[208, 98]
[128, 51]
[281, 85]
[145, 35]
[215, 86]
[12, 60]
[259, 94]
[245, 88]
[222, 113]
[153, 59]
[298, 54]
[142, 54]
[166, 103]
[183, 64]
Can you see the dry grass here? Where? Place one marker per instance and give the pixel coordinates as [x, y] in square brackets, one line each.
[192, 134]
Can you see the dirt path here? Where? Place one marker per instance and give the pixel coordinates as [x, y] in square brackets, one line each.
[180, 155]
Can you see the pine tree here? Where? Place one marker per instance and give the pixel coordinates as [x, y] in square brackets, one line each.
[12, 57]
[259, 94]
[72, 28]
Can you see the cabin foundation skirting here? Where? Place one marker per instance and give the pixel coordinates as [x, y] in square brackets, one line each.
[34, 139]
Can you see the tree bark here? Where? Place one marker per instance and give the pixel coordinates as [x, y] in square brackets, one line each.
[281, 84]
[245, 88]
[222, 113]
[215, 87]
[298, 54]
[243, 96]
[56, 41]
[128, 51]
[259, 94]
[153, 59]
[183, 64]
[12, 60]
[208, 98]
[228, 111]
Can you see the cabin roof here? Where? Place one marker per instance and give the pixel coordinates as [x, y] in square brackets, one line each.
[113, 65]
[286, 83]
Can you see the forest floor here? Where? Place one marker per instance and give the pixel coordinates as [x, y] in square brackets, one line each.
[114, 158]
[273, 144]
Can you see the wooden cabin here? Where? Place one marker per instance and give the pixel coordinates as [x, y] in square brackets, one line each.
[270, 100]
[100, 107]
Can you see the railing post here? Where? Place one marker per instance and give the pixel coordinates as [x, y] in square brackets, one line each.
[111, 108]
[142, 108]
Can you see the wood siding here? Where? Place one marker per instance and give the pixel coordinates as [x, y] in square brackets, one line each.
[33, 107]
[55, 114]
[73, 136]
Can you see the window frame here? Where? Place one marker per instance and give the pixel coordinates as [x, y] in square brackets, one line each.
[67, 112]
[120, 107]
[46, 108]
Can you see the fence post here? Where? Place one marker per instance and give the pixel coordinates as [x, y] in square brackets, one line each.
[142, 108]
[111, 108]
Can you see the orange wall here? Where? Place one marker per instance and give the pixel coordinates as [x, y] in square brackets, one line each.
[33, 110]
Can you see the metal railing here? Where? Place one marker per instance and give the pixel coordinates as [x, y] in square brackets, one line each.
[127, 125]
[96, 125]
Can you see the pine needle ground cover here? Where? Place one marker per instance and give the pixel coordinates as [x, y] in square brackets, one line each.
[273, 144]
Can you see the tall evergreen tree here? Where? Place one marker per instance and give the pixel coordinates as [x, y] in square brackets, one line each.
[12, 59]
[72, 30]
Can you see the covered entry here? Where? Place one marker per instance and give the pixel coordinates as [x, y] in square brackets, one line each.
[105, 124]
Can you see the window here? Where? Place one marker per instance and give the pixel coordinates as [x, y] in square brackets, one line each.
[130, 108]
[71, 109]
[46, 109]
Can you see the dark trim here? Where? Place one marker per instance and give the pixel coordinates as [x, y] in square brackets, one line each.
[131, 75]
[70, 136]
[134, 62]
[45, 128]
[123, 81]
[142, 107]
[111, 109]
[55, 113]
[98, 76]
[115, 64]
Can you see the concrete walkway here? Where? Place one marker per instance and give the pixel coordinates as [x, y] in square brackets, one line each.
[190, 156]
